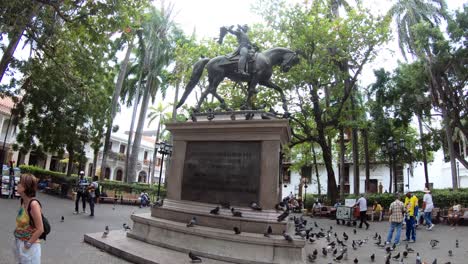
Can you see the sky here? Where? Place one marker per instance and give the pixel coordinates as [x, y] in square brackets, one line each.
[205, 17]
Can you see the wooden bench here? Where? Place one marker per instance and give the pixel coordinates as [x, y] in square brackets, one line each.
[130, 199]
[112, 199]
[322, 211]
[52, 188]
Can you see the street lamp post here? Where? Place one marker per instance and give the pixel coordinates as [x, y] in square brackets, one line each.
[391, 148]
[164, 149]
[305, 191]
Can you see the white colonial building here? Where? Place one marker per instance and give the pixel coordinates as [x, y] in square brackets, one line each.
[411, 177]
[115, 162]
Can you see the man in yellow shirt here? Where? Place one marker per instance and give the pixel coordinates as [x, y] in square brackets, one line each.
[411, 202]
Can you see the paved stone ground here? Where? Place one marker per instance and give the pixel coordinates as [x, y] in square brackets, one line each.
[444, 233]
[65, 243]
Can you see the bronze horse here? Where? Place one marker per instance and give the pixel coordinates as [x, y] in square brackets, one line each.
[260, 71]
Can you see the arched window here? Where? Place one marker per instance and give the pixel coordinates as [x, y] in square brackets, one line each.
[119, 176]
[107, 175]
[142, 176]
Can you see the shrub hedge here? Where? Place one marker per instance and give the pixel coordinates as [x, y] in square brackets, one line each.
[61, 178]
[442, 198]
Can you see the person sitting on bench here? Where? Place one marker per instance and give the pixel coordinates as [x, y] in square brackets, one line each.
[454, 214]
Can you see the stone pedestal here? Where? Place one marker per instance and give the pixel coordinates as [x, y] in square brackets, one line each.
[226, 160]
[231, 158]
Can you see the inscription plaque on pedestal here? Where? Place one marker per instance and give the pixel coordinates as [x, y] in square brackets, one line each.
[222, 171]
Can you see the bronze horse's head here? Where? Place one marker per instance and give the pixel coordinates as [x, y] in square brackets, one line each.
[289, 60]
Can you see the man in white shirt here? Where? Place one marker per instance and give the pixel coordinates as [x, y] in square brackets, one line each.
[362, 203]
[428, 205]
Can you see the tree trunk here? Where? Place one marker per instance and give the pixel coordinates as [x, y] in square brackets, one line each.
[71, 156]
[355, 148]
[132, 125]
[365, 138]
[138, 133]
[395, 180]
[342, 164]
[451, 149]
[332, 191]
[319, 186]
[391, 174]
[423, 148]
[15, 39]
[115, 98]
[95, 158]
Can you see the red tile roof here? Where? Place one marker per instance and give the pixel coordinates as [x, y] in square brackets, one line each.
[6, 104]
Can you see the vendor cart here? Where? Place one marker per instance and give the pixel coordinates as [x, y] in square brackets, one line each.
[347, 215]
[6, 187]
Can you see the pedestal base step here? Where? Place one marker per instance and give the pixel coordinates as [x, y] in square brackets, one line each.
[117, 243]
[251, 221]
[215, 243]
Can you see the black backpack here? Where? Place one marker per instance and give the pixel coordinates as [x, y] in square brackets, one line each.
[45, 222]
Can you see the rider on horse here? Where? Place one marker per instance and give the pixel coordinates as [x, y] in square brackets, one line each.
[245, 46]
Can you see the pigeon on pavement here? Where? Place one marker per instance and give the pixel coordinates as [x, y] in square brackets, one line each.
[215, 211]
[126, 227]
[433, 243]
[106, 232]
[236, 213]
[192, 222]
[255, 206]
[268, 232]
[287, 236]
[194, 258]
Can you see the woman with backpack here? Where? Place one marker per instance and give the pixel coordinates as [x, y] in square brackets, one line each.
[29, 224]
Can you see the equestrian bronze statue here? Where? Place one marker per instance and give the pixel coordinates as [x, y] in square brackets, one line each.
[259, 71]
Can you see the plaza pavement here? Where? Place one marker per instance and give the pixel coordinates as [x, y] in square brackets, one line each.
[65, 243]
[444, 233]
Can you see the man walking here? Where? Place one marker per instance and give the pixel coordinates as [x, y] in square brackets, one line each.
[81, 192]
[396, 211]
[428, 205]
[362, 203]
[411, 201]
[92, 194]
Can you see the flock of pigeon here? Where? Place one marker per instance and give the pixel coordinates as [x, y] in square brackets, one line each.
[336, 249]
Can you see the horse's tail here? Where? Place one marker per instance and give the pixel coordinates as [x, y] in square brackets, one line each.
[196, 74]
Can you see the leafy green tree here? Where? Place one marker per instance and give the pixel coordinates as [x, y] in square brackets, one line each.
[160, 113]
[157, 45]
[67, 78]
[408, 13]
[354, 39]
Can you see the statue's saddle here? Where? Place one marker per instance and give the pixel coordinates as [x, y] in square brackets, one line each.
[234, 57]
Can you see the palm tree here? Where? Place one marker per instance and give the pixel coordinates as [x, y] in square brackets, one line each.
[158, 112]
[114, 104]
[408, 13]
[157, 46]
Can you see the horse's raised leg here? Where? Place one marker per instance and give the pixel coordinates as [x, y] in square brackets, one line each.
[221, 101]
[269, 84]
[250, 93]
[202, 98]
